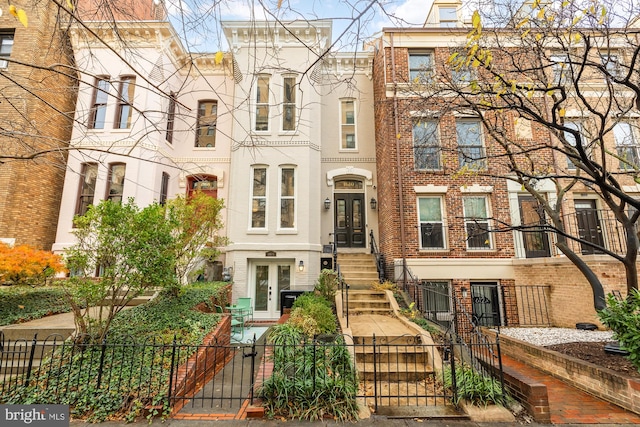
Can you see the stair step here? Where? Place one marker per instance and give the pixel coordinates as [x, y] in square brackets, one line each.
[422, 411]
[369, 310]
[391, 340]
[400, 354]
[394, 371]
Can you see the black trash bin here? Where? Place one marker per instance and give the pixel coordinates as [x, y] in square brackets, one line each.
[287, 298]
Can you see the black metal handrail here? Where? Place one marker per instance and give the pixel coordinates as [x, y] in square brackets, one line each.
[379, 256]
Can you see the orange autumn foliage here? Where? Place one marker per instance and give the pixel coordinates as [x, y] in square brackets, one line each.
[24, 265]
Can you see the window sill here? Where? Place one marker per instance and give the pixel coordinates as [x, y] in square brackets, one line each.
[254, 231]
[434, 251]
[481, 251]
[204, 148]
[348, 150]
[292, 231]
[288, 133]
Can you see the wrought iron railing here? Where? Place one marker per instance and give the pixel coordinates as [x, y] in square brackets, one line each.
[378, 256]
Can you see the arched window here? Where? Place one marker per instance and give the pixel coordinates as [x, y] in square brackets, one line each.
[208, 184]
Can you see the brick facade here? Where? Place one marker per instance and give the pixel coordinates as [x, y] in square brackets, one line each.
[36, 112]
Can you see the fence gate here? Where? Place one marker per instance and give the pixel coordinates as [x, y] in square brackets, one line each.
[221, 378]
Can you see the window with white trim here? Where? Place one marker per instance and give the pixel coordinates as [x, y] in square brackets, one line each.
[426, 145]
[124, 109]
[259, 197]
[560, 68]
[262, 104]
[171, 117]
[99, 104]
[289, 104]
[470, 146]
[420, 67]
[6, 46]
[611, 64]
[627, 145]
[571, 139]
[431, 222]
[448, 17]
[115, 182]
[87, 188]
[287, 197]
[206, 123]
[476, 222]
[348, 124]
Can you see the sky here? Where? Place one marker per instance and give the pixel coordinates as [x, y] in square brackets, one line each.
[197, 21]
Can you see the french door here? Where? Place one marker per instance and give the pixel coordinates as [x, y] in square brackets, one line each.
[269, 279]
[349, 220]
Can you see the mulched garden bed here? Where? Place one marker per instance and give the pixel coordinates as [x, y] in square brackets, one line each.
[593, 352]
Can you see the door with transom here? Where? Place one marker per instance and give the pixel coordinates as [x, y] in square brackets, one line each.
[270, 277]
[349, 220]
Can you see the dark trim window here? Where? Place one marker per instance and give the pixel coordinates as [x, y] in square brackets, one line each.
[124, 109]
[164, 188]
[627, 145]
[470, 148]
[99, 104]
[87, 188]
[171, 117]
[115, 182]
[431, 221]
[476, 222]
[420, 67]
[207, 122]
[259, 197]
[207, 184]
[426, 145]
[6, 46]
[262, 104]
[289, 104]
[348, 124]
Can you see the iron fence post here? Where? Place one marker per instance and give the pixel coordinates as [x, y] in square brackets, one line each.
[103, 349]
[313, 366]
[253, 368]
[375, 375]
[171, 369]
[454, 383]
[500, 365]
[347, 287]
[31, 356]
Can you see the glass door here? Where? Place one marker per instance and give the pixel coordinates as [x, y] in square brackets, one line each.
[269, 279]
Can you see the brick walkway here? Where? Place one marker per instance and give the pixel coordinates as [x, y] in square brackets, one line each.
[569, 405]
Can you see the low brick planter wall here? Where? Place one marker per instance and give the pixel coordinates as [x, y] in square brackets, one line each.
[203, 365]
[604, 383]
[530, 393]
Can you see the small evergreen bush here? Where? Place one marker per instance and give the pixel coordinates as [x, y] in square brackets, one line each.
[623, 317]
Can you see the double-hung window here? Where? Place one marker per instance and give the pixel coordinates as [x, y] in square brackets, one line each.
[6, 46]
[470, 148]
[124, 109]
[99, 107]
[164, 188]
[571, 138]
[611, 64]
[289, 104]
[262, 104]
[348, 124]
[448, 17]
[115, 182]
[87, 189]
[627, 145]
[476, 222]
[287, 197]
[431, 222]
[420, 67]
[206, 124]
[426, 145]
[259, 197]
[171, 117]
[560, 68]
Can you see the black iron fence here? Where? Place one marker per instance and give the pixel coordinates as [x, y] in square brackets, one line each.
[533, 305]
[222, 376]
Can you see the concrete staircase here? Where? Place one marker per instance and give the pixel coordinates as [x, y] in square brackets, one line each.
[358, 269]
[369, 302]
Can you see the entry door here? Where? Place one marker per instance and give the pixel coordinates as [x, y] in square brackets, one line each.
[270, 278]
[589, 228]
[349, 220]
[536, 243]
[486, 305]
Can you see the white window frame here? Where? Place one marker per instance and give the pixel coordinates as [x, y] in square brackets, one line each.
[429, 146]
[560, 67]
[479, 163]
[344, 124]
[612, 64]
[445, 11]
[442, 222]
[288, 104]
[282, 198]
[259, 105]
[576, 125]
[253, 197]
[469, 221]
[629, 145]
[418, 74]
[6, 39]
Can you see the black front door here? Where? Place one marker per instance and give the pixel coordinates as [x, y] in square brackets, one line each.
[536, 242]
[589, 228]
[349, 220]
[486, 305]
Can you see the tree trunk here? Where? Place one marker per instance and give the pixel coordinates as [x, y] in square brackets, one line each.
[599, 302]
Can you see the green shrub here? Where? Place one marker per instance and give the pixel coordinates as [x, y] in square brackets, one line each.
[23, 303]
[308, 299]
[475, 387]
[317, 308]
[327, 284]
[623, 317]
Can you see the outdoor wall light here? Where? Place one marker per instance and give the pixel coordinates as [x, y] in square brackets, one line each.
[374, 203]
[327, 204]
[301, 266]
[464, 292]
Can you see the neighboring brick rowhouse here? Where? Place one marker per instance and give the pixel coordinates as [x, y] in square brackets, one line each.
[570, 296]
[123, 10]
[36, 113]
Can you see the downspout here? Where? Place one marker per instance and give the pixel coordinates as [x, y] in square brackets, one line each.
[398, 163]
